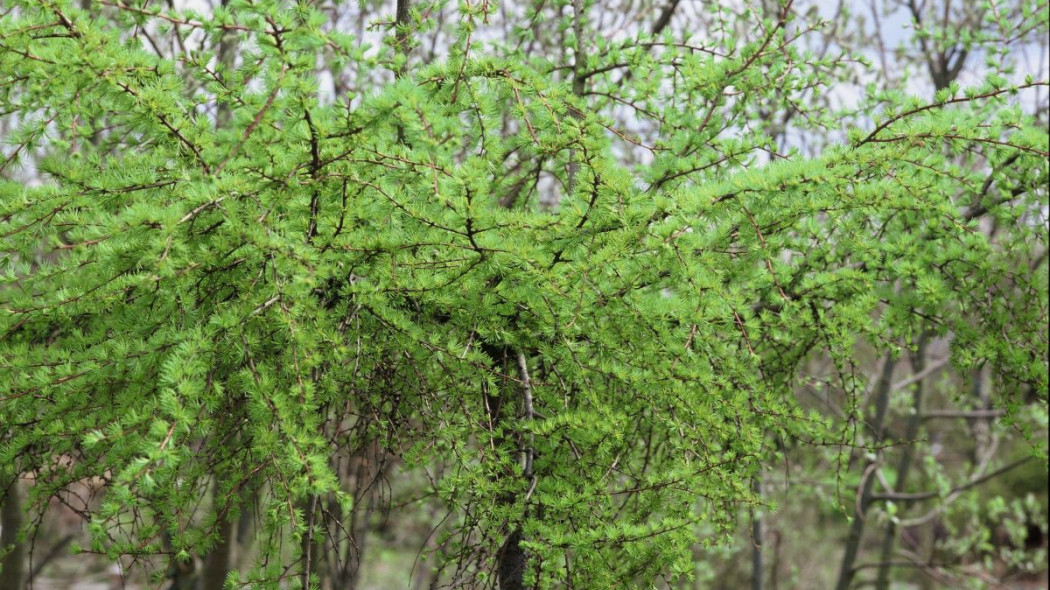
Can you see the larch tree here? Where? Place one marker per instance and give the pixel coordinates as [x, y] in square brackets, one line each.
[260, 250]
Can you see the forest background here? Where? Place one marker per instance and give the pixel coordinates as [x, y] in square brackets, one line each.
[549, 294]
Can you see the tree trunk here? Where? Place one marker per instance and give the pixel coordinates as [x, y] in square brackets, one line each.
[226, 54]
[911, 430]
[12, 519]
[511, 559]
[217, 563]
[402, 21]
[246, 529]
[756, 536]
[512, 563]
[856, 529]
[310, 551]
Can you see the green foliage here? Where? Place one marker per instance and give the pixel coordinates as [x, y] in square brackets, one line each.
[182, 300]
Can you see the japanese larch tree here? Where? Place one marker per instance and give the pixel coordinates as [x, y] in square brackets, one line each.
[258, 245]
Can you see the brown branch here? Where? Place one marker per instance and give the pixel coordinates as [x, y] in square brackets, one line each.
[255, 122]
[917, 110]
[665, 18]
[917, 497]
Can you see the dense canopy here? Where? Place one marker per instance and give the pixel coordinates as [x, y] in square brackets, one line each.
[584, 329]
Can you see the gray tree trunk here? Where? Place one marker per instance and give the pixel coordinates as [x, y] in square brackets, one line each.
[219, 559]
[856, 529]
[12, 519]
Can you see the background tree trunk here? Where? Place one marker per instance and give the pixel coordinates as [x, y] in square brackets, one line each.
[856, 530]
[911, 431]
[218, 561]
[12, 519]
